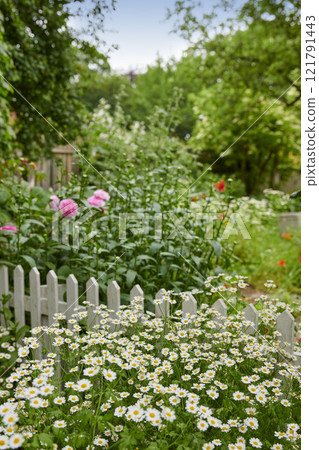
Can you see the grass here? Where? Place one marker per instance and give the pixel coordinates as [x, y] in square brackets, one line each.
[270, 256]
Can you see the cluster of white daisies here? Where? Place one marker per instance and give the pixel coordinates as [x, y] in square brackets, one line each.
[147, 376]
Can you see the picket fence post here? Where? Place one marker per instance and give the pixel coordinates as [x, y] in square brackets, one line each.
[251, 314]
[163, 309]
[113, 302]
[137, 291]
[52, 295]
[35, 304]
[189, 306]
[4, 288]
[92, 296]
[18, 296]
[286, 326]
[72, 297]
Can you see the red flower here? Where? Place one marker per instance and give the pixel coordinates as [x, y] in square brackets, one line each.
[286, 236]
[220, 186]
[282, 262]
[195, 198]
[221, 216]
[203, 196]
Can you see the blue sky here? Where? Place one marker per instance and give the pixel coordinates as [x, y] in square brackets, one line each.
[142, 33]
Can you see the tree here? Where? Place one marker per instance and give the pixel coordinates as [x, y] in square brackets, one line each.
[260, 45]
[161, 84]
[96, 84]
[270, 145]
[246, 67]
[43, 51]
[6, 131]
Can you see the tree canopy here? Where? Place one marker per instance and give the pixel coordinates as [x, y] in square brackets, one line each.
[43, 52]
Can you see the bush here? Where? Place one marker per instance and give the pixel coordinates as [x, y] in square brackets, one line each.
[152, 230]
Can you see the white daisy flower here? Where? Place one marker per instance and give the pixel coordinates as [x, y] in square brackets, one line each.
[255, 442]
[59, 424]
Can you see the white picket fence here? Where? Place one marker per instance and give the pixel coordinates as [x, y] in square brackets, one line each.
[46, 300]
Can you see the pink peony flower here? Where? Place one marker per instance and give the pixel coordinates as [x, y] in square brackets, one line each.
[55, 202]
[102, 194]
[95, 201]
[9, 228]
[68, 208]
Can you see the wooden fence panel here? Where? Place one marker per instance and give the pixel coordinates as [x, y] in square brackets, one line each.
[46, 300]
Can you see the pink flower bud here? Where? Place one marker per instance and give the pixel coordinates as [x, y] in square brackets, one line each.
[55, 202]
[102, 194]
[95, 201]
[68, 208]
[9, 228]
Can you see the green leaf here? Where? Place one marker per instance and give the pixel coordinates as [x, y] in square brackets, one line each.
[50, 265]
[130, 276]
[146, 257]
[4, 196]
[196, 260]
[45, 438]
[4, 262]
[156, 207]
[64, 271]
[35, 222]
[217, 248]
[29, 260]
[168, 254]
[154, 247]
[21, 331]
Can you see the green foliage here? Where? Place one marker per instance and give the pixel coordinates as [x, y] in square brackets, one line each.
[229, 134]
[43, 51]
[6, 131]
[169, 237]
[159, 84]
[238, 80]
[10, 334]
[258, 258]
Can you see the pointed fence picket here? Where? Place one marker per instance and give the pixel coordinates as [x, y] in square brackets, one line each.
[92, 296]
[4, 287]
[46, 300]
[251, 314]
